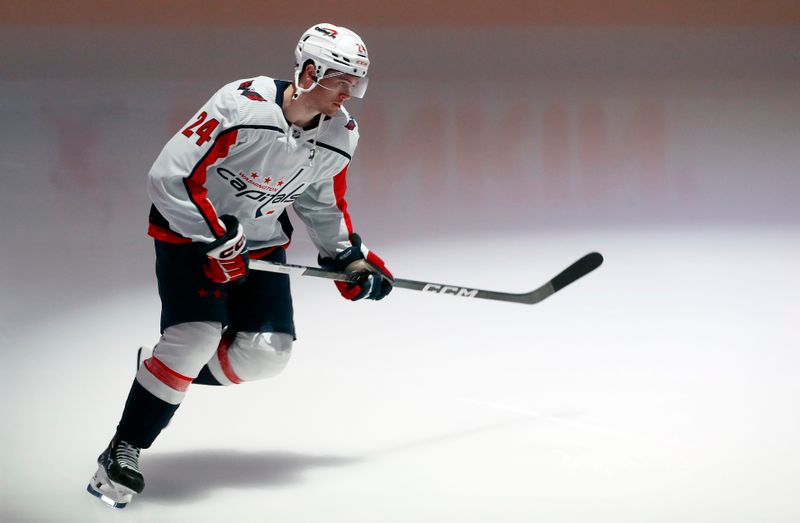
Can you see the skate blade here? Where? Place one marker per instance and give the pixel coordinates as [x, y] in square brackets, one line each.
[110, 493]
[107, 500]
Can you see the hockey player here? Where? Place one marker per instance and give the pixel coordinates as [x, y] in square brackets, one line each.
[220, 189]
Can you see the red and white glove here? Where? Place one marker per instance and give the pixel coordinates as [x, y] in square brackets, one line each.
[370, 279]
[227, 255]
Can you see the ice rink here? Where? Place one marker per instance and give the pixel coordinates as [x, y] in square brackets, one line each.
[663, 387]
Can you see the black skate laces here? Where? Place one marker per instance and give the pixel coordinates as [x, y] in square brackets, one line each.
[127, 455]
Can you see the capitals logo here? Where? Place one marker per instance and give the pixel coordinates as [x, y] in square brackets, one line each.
[244, 87]
[327, 31]
[265, 194]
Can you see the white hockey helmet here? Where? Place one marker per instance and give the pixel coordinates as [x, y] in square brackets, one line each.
[332, 47]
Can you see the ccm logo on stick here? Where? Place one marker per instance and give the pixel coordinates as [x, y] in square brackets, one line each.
[446, 289]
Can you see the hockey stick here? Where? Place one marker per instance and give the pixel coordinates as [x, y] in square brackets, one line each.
[577, 270]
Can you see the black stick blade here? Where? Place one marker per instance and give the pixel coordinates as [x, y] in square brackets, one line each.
[577, 270]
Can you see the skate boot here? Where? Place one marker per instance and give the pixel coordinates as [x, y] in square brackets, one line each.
[117, 478]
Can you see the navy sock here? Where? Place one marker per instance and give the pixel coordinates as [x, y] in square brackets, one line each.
[144, 417]
[206, 378]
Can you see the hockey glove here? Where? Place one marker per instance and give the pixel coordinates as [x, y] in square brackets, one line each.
[369, 276]
[227, 255]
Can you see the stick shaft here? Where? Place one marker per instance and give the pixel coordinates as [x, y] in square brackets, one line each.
[577, 270]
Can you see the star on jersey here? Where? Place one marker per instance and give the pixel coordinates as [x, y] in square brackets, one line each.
[254, 175]
[203, 293]
[268, 194]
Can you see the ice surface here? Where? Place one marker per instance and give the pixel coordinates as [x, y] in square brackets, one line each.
[662, 387]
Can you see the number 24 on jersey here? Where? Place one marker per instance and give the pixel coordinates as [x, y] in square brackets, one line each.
[201, 128]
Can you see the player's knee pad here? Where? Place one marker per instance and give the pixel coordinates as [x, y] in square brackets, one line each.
[177, 359]
[251, 356]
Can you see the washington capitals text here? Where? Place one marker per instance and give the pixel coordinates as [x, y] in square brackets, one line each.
[262, 195]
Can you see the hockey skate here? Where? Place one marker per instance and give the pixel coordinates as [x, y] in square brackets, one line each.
[117, 478]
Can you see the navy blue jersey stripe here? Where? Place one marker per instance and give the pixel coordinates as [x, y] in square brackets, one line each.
[266, 127]
[334, 149]
[280, 88]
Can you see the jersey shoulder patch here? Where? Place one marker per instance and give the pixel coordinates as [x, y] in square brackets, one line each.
[248, 92]
[254, 99]
[341, 133]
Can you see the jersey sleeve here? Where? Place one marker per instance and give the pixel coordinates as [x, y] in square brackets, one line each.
[323, 209]
[177, 180]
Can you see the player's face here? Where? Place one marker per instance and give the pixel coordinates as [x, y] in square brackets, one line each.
[335, 90]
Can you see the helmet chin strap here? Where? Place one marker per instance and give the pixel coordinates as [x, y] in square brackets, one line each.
[313, 153]
[300, 90]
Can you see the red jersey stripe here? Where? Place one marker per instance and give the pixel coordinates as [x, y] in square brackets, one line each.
[165, 235]
[257, 254]
[339, 189]
[196, 181]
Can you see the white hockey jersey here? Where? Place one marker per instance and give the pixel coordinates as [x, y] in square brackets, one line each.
[240, 156]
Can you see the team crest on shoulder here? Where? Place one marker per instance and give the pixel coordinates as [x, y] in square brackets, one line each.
[244, 87]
